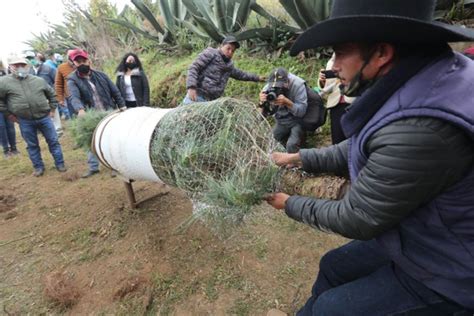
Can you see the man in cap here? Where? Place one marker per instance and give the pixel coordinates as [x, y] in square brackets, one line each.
[91, 89]
[285, 95]
[410, 157]
[210, 71]
[30, 101]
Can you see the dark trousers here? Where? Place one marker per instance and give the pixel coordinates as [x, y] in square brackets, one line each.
[131, 104]
[29, 130]
[7, 134]
[291, 135]
[337, 135]
[359, 279]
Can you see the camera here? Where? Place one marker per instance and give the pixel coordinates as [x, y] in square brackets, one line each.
[273, 93]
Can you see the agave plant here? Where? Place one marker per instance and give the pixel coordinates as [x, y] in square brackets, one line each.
[307, 12]
[217, 18]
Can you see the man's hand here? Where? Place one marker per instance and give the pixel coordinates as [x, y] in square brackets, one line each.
[285, 159]
[12, 118]
[281, 100]
[277, 200]
[62, 104]
[192, 93]
[51, 113]
[81, 113]
[262, 97]
[322, 78]
[262, 78]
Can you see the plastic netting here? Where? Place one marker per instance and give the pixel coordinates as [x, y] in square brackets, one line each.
[218, 152]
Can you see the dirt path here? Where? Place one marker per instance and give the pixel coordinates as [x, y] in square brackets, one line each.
[76, 241]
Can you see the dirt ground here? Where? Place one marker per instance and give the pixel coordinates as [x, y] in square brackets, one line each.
[74, 246]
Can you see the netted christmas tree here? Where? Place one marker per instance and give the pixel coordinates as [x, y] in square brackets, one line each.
[219, 153]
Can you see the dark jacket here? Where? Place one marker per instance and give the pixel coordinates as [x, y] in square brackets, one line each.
[46, 72]
[140, 86]
[411, 165]
[30, 98]
[209, 74]
[81, 92]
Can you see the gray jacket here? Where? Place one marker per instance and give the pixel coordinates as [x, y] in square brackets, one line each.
[297, 94]
[209, 74]
[419, 157]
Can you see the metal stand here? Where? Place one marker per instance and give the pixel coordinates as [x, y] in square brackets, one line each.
[131, 195]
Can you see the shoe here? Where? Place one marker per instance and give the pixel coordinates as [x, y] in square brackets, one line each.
[38, 172]
[89, 173]
[14, 152]
[7, 155]
[61, 168]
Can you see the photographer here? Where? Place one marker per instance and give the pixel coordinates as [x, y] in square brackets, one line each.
[285, 96]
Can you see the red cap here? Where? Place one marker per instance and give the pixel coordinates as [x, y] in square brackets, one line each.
[469, 51]
[78, 53]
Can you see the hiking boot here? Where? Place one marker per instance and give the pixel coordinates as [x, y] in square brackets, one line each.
[38, 172]
[89, 173]
[61, 168]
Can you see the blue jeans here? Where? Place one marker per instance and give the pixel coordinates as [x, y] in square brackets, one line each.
[187, 99]
[7, 134]
[359, 279]
[63, 110]
[70, 109]
[29, 130]
[92, 161]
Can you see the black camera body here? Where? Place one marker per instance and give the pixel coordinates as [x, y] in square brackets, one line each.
[273, 93]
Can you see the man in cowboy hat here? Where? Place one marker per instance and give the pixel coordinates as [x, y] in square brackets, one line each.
[410, 157]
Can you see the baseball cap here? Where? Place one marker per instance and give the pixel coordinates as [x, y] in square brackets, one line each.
[17, 60]
[74, 54]
[278, 78]
[231, 40]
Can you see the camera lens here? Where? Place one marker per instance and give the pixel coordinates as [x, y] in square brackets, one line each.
[271, 96]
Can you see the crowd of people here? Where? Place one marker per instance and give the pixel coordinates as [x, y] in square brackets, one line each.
[401, 111]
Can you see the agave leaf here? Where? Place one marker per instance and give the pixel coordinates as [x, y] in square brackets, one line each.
[148, 15]
[133, 28]
[242, 15]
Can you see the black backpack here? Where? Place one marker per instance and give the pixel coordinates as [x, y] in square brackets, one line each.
[315, 113]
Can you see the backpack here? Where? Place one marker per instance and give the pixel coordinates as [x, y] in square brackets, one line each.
[316, 113]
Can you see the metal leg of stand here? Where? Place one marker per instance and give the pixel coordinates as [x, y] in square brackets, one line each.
[130, 194]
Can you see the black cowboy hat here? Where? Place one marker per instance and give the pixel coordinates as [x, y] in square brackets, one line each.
[395, 21]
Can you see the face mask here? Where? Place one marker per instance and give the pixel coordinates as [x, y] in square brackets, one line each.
[83, 69]
[33, 62]
[20, 72]
[131, 65]
[358, 85]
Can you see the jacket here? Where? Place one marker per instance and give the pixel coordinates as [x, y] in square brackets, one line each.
[82, 95]
[60, 82]
[46, 72]
[30, 98]
[412, 170]
[209, 74]
[297, 94]
[140, 86]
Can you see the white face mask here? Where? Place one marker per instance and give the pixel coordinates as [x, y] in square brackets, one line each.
[20, 72]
